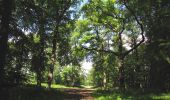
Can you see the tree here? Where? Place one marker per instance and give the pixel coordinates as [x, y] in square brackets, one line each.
[158, 46]
[111, 19]
[62, 18]
[155, 16]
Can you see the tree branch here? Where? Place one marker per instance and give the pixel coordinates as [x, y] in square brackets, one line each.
[113, 16]
[123, 27]
[110, 26]
[141, 27]
[100, 50]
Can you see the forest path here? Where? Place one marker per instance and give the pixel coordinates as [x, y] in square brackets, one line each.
[78, 93]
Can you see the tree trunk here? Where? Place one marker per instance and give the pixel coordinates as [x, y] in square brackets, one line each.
[54, 47]
[39, 79]
[4, 31]
[41, 54]
[121, 78]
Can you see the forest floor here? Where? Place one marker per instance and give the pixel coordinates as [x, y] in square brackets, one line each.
[57, 92]
[78, 93]
[61, 92]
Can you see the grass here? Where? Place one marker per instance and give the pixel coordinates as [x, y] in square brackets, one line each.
[163, 96]
[130, 95]
[55, 86]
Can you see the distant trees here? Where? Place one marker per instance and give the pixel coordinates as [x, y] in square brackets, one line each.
[72, 76]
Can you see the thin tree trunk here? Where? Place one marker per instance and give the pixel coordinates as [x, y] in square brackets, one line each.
[121, 73]
[41, 54]
[121, 60]
[53, 57]
[39, 79]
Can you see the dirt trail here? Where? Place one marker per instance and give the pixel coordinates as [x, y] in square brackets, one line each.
[78, 94]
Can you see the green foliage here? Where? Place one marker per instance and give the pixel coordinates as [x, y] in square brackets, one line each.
[36, 39]
[71, 76]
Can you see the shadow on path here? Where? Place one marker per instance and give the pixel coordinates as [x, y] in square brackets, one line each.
[33, 93]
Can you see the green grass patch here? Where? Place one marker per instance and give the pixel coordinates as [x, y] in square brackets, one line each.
[53, 86]
[130, 95]
[163, 96]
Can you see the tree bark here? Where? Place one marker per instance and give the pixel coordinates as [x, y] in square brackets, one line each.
[121, 77]
[54, 56]
[4, 31]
